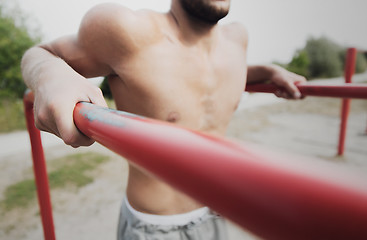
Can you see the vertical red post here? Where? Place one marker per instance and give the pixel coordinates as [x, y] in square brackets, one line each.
[39, 168]
[350, 63]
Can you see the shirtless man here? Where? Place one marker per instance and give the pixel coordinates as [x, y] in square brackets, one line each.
[180, 66]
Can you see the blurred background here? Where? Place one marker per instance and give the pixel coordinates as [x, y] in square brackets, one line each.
[306, 37]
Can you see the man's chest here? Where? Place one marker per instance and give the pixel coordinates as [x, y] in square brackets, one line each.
[202, 89]
[171, 69]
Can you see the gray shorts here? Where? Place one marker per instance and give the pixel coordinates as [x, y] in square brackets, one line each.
[202, 224]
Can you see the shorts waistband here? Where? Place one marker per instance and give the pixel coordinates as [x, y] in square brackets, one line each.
[176, 219]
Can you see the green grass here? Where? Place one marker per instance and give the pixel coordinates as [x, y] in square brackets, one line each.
[11, 115]
[19, 194]
[70, 170]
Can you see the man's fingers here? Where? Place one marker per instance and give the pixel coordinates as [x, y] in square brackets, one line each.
[43, 120]
[97, 98]
[77, 139]
[67, 130]
[283, 94]
[73, 137]
[288, 80]
[66, 127]
[298, 79]
[293, 91]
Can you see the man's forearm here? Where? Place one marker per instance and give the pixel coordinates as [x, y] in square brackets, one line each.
[278, 76]
[39, 65]
[259, 73]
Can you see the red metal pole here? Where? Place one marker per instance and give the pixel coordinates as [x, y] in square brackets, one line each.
[343, 125]
[347, 90]
[39, 168]
[349, 71]
[252, 187]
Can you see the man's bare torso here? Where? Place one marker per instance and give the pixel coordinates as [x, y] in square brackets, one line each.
[186, 85]
[164, 66]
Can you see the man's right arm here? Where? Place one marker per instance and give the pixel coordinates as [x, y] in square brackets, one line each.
[57, 88]
[57, 72]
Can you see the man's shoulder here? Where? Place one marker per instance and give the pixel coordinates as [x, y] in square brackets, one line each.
[235, 31]
[115, 20]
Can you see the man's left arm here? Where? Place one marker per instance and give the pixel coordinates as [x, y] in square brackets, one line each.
[267, 73]
[278, 76]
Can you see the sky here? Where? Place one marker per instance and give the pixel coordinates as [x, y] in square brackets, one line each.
[277, 28]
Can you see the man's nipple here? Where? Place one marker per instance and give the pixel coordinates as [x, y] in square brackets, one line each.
[173, 117]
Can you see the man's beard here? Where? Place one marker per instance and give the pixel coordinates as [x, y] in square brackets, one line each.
[203, 10]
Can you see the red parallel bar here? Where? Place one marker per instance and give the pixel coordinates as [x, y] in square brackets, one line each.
[349, 71]
[344, 114]
[39, 168]
[308, 89]
[350, 64]
[256, 190]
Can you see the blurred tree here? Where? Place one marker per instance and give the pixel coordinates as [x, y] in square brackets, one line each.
[14, 41]
[325, 58]
[361, 63]
[300, 63]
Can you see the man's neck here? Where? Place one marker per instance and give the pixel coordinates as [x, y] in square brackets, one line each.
[191, 30]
